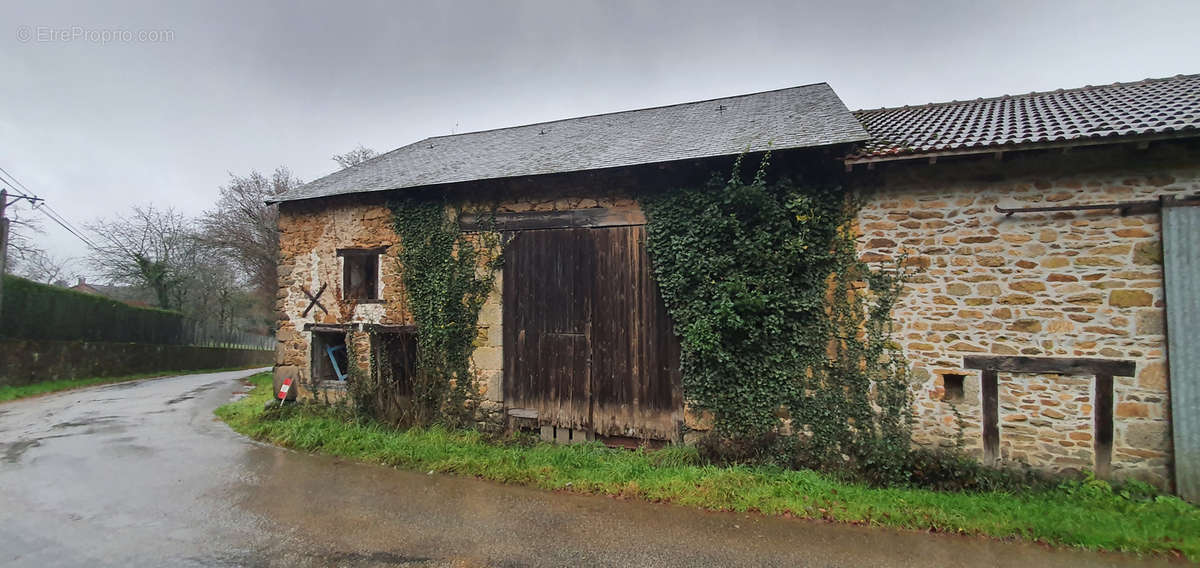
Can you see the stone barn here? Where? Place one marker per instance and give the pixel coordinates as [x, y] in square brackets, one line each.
[1052, 229]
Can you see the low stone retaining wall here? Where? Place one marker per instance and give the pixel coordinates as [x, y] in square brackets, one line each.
[25, 361]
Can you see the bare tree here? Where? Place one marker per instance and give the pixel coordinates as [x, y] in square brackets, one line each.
[354, 157]
[212, 291]
[245, 227]
[145, 247]
[41, 266]
[22, 240]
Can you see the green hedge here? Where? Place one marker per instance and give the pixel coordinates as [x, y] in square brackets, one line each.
[36, 311]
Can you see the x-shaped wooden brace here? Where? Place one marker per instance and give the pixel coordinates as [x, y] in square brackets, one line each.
[313, 300]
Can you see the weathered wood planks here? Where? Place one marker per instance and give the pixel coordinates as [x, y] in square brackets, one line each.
[588, 343]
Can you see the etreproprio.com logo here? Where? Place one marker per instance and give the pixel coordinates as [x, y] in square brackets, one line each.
[51, 34]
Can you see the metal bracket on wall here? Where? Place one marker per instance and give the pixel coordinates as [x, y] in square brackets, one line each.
[313, 300]
[1124, 207]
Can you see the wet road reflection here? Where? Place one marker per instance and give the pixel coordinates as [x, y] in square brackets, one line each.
[142, 474]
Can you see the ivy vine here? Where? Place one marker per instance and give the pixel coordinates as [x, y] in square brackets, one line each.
[447, 277]
[782, 328]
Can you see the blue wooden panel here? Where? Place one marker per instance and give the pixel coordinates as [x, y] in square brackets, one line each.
[337, 369]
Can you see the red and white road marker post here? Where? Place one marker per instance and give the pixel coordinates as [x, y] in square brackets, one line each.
[283, 390]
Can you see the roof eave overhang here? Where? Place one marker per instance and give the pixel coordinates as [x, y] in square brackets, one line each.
[1002, 149]
[833, 146]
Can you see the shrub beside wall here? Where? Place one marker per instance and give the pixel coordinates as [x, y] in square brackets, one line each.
[36, 311]
[49, 333]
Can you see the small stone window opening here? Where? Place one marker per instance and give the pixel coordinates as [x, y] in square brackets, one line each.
[330, 362]
[360, 274]
[953, 385]
[395, 360]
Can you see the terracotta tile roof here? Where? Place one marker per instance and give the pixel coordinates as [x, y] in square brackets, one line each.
[798, 117]
[1150, 107]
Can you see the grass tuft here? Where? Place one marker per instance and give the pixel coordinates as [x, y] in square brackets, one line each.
[8, 393]
[1089, 514]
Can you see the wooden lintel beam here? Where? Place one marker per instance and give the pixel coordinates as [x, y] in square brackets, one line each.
[1056, 365]
[572, 218]
[388, 328]
[330, 327]
[368, 250]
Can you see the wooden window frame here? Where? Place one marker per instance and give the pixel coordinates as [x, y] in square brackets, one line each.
[346, 254]
[1102, 405]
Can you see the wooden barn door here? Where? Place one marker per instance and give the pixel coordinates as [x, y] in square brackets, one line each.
[547, 315]
[587, 341]
[635, 354]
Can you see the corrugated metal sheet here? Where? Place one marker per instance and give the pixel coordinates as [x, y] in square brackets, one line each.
[1181, 261]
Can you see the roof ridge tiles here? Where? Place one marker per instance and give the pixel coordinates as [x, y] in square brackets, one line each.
[1151, 80]
[1162, 106]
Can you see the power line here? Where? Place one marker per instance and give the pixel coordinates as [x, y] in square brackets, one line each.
[57, 217]
[13, 187]
[14, 178]
[18, 182]
[62, 217]
[62, 224]
[45, 208]
[18, 194]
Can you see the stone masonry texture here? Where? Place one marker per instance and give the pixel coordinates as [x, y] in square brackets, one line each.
[1062, 284]
[311, 232]
[1084, 284]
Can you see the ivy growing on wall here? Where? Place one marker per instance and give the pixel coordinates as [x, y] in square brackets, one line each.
[782, 328]
[447, 276]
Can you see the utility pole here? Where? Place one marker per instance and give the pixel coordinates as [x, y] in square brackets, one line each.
[4, 223]
[3, 245]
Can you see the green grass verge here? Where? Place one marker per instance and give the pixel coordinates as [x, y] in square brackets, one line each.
[8, 393]
[1085, 515]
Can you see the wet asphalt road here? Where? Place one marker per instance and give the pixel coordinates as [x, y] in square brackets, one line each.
[142, 474]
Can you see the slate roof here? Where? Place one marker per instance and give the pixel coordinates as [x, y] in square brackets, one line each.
[798, 117]
[1150, 107]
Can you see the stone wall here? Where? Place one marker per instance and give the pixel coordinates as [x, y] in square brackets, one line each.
[1063, 284]
[1046, 423]
[311, 233]
[28, 361]
[1050, 284]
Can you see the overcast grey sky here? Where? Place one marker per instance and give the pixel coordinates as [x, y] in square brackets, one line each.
[97, 126]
